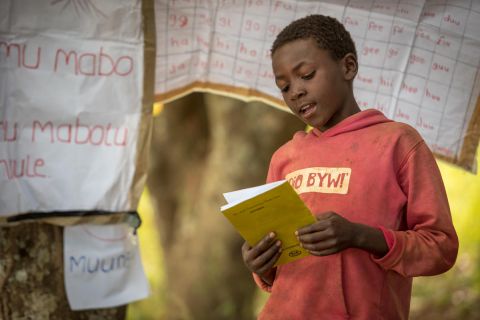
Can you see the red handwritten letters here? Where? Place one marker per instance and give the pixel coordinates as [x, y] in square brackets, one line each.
[79, 133]
[22, 168]
[83, 63]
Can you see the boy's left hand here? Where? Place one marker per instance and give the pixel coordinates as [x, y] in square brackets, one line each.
[330, 234]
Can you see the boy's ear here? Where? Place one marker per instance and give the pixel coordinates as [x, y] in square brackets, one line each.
[350, 66]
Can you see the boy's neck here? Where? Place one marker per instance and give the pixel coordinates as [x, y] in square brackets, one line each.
[344, 114]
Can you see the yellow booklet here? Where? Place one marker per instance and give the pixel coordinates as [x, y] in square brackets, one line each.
[276, 207]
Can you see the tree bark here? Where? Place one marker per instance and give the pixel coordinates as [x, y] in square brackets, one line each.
[31, 276]
[204, 145]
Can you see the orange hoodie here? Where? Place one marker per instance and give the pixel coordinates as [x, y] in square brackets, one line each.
[374, 171]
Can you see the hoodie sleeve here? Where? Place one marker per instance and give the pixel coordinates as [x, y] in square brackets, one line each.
[429, 246]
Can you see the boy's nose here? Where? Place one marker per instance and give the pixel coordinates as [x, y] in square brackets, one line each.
[298, 93]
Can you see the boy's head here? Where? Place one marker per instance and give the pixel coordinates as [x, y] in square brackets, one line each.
[328, 33]
[314, 63]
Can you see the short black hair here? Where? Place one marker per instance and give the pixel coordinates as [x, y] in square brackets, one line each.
[328, 32]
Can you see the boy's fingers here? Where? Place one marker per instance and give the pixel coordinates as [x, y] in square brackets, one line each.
[264, 260]
[324, 221]
[270, 263]
[321, 246]
[266, 256]
[263, 245]
[314, 227]
[250, 253]
[315, 237]
[245, 248]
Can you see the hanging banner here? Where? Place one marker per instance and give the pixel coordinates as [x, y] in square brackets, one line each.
[419, 60]
[74, 117]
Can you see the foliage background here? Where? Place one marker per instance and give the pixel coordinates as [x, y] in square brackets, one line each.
[453, 295]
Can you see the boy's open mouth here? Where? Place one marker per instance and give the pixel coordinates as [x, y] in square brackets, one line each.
[308, 109]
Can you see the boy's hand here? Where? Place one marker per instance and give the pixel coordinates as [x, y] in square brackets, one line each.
[330, 234]
[261, 258]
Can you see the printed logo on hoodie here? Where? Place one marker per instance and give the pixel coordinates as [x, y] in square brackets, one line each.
[320, 179]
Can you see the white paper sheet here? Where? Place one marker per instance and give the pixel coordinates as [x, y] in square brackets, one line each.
[238, 196]
[102, 266]
[71, 86]
[419, 61]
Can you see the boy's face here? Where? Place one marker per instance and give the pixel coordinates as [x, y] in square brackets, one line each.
[315, 87]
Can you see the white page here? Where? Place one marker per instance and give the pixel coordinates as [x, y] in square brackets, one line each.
[71, 85]
[103, 267]
[235, 197]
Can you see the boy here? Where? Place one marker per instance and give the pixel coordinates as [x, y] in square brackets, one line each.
[373, 185]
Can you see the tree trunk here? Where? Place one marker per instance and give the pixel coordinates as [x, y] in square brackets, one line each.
[204, 145]
[31, 276]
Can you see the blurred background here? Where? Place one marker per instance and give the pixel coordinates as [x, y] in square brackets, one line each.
[204, 145]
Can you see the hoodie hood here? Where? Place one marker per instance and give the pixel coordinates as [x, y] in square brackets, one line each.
[357, 121]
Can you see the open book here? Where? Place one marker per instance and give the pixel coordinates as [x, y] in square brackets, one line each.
[276, 207]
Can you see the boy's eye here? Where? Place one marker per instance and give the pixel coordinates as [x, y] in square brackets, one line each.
[308, 76]
[284, 89]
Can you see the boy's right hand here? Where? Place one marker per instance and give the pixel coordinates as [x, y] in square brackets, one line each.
[261, 258]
